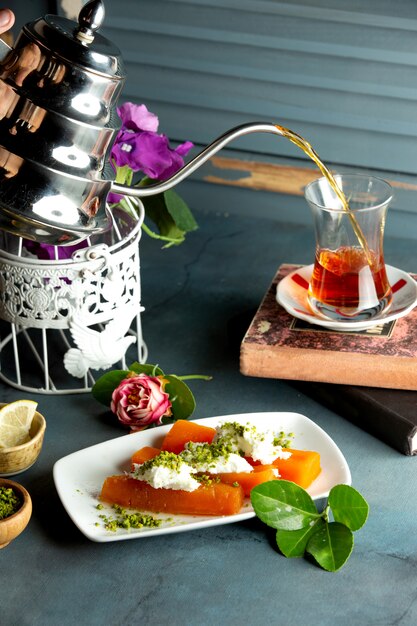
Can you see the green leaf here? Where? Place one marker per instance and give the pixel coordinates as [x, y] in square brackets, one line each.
[156, 210]
[183, 402]
[292, 543]
[146, 368]
[179, 211]
[331, 546]
[106, 384]
[348, 506]
[283, 505]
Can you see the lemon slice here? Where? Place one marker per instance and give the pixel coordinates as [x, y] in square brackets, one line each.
[15, 421]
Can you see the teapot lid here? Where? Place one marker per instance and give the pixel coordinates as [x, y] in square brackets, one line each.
[79, 43]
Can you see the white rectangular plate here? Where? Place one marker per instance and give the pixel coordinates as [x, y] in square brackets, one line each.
[79, 476]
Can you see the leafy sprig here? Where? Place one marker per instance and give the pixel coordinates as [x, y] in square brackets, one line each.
[301, 528]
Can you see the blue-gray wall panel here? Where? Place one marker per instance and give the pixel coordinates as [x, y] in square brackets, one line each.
[345, 79]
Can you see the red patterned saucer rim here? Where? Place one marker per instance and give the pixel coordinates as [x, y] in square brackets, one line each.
[292, 295]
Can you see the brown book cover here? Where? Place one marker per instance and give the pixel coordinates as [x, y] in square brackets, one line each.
[278, 345]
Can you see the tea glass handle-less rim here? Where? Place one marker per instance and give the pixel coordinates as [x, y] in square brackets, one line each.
[202, 157]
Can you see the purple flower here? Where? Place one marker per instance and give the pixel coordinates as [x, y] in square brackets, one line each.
[124, 149]
[141, 148]
[136, 117]
[148, 152]
[46, 252]
[152, 154]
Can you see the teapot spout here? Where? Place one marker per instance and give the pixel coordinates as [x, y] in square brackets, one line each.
[197, 161]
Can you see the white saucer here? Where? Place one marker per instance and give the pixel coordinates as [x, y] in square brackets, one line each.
[292, 295]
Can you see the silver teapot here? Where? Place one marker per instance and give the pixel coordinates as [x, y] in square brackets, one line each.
[59, 88]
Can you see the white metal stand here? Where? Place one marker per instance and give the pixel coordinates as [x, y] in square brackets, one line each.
[66, 319]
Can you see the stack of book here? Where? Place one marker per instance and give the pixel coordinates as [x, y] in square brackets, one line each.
[368, 376]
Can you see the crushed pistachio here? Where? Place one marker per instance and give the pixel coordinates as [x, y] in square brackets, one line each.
[206, 479]
[9, 502]
[283, 439]
[163, 459]
[231, 430]
[235, 428]
[127, 520]
[206, 453]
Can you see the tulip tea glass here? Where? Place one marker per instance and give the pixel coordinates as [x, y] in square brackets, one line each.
[349, 281]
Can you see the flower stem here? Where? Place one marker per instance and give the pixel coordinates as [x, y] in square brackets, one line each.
[172, 241]
[195, 376]
[325, 514]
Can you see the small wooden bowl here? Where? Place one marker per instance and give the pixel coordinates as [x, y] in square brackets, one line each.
[12, 526]
[19, 458]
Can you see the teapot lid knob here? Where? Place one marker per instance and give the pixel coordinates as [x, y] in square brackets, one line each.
[90, 19]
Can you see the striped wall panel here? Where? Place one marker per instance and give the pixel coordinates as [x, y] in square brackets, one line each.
[345, 78]
[342, 74]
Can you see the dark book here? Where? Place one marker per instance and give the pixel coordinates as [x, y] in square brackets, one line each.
[388, 414]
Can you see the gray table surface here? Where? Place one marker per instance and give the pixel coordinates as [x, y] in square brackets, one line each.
[199, 299]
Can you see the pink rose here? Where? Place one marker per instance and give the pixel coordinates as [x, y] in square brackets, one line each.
[140, 400]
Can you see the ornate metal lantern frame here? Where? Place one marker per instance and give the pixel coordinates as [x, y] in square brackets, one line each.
[65, 319]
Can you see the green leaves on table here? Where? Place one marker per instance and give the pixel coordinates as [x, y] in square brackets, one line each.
[348, 506]
[331, 545]
[284, 505]
[301, 528]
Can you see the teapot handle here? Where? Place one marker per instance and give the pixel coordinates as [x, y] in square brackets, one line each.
[202, 157]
